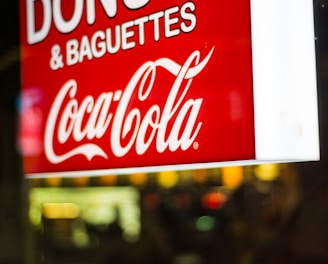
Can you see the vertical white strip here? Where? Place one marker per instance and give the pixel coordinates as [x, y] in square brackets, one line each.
[286, 118]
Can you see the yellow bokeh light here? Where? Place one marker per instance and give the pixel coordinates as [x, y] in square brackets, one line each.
[53, 182]
[200, 176]
[60, 210]
[138, 179]
[267, 172]
[81, 181]
[108, 180]
[232, 177]
[168, 179]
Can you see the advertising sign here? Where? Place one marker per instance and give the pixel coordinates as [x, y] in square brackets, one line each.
[119, 85]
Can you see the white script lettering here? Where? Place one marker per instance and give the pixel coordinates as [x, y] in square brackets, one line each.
[92, 118]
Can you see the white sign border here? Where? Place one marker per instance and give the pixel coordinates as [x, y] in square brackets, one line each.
[284, 75]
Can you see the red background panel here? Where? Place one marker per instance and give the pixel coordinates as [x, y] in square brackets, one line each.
[225, 84]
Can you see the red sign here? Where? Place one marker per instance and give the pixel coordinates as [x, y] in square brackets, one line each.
[137, 83]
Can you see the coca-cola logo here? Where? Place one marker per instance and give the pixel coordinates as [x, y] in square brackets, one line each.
[65, 121]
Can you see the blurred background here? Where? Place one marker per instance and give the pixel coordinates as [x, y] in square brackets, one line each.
[273, 213]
